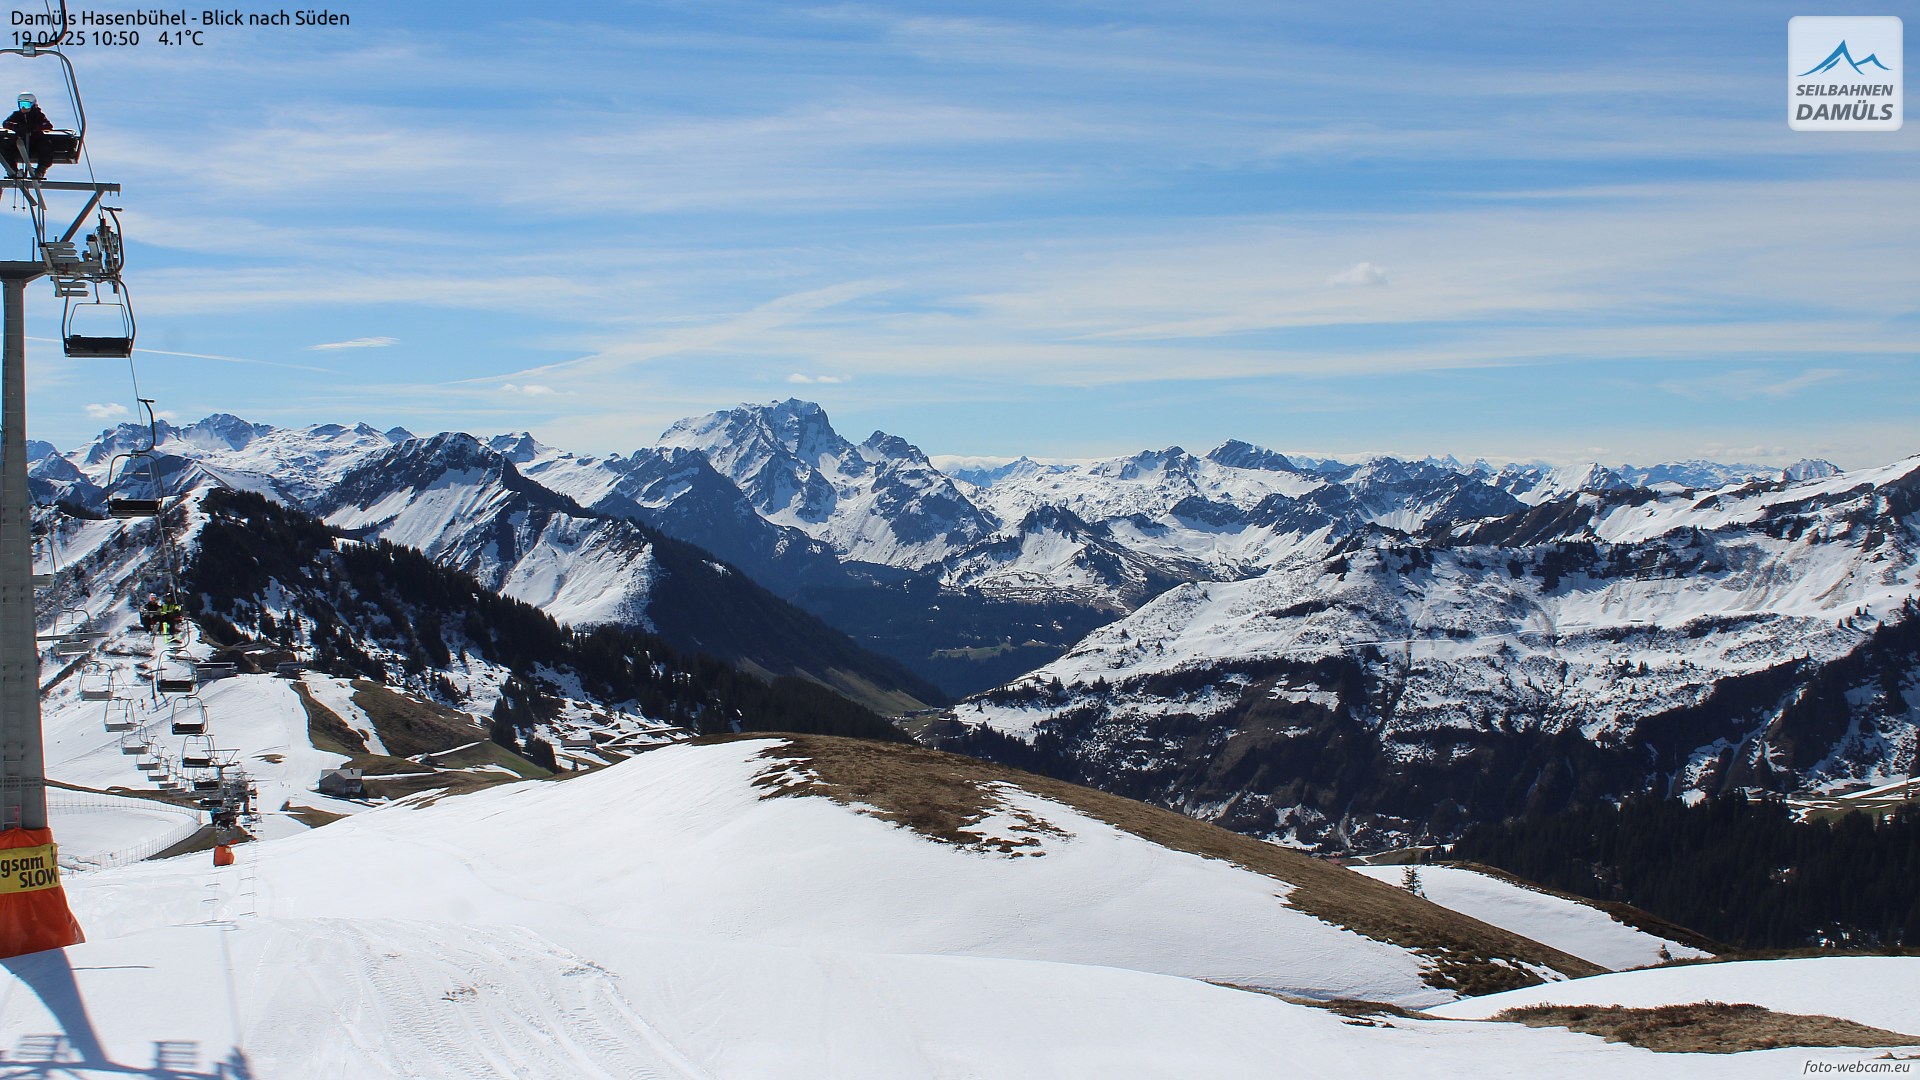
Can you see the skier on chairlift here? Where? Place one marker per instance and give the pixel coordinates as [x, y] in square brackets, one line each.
[156, 617]
[27, 129]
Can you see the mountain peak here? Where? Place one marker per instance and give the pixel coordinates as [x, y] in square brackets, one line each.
[223, 431]
[1235, 454]
[1809, 469]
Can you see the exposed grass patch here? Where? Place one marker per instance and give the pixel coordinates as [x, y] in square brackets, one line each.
[325, 730]
[491, 753]
[447, 783]
[945, 797]
[940, 797]
[410, 727]
[312, 816]
[1708, 1027]
[373, 765]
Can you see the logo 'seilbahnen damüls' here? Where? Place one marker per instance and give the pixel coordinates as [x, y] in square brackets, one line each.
[1844, 73]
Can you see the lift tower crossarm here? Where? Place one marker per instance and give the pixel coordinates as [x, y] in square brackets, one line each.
[31, 187]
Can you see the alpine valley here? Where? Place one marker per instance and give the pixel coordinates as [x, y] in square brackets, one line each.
[1333, 654]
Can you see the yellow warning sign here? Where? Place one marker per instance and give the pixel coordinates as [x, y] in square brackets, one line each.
[29, 869]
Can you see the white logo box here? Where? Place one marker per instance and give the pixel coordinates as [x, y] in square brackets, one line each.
[1845, 73]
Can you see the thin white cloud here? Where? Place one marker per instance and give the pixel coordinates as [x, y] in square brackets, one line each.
[355, 343]
[1360, 273]
[819, 380]
[529, 389]
[107, 411]
[1747, 383]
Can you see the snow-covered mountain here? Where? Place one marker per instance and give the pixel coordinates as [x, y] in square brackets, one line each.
[881, 501]
[973, 582]
[1764, 636]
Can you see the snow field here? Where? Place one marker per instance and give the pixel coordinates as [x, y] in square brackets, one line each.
[659, 918]
[678, 841]
[1567, 925]
[1872, 990]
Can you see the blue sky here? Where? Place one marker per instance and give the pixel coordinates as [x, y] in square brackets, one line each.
[1495, 229]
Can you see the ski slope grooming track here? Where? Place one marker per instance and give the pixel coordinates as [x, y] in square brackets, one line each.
[335, 998]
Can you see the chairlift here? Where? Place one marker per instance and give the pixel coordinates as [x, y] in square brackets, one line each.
[139, 472]
[580, 741]
[73, 645]
[62, 146]
[177, 679]
[198, 753]
[97, 328]
[97, 682]
[135, 741]
[78, 636]
[189, 717]
[120, 715]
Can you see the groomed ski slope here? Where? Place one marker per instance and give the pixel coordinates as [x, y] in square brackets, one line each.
[660, 919]
[681, 841]
[272, 998]
[1567, 925]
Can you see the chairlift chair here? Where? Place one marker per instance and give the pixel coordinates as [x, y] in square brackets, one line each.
[198, 753]
[120, 715]
[78, 636]
[99, 329]
[97, 682]
[62, 146]
[135, 741]
[72, 645]
[140, 472]
[176, 683]
[188, 717]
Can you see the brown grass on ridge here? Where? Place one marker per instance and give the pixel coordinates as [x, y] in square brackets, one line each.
[943, 796]
[1706, 1027]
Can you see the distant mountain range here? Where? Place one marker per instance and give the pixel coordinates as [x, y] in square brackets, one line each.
[1324, 651]
[969, 579]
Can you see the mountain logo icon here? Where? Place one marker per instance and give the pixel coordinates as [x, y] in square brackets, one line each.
[1840, 56]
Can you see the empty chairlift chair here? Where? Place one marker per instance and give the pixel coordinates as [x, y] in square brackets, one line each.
[198, 753]
[100, 326]
[97, 682]
[189, 717]
[73, 634]
[176, 677]
[135, 742]
[120, 715]
[137, 477]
